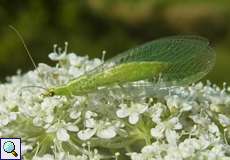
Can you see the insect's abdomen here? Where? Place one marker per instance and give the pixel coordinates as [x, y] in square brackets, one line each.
[127, 72]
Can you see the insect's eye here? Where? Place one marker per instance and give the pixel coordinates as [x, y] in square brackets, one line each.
[51, 94]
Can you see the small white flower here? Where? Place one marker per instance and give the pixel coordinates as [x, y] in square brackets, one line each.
[174, 123]
[173, 154]
[199, 119]
[44, 157]
[154, 148]
[173, 100]
[82, 157]
[158, 131]
[92, 64]
[213, 129]
[25, 147]
[61, 129]
[107, 133]
[51, 102]
[188, 147]
[62, 134]
[75, 60]
[76, 72]
[205, 140]
[57, 57]
[6, 118]
[156, 112]
[43, 116]
[135, 156]
[171, 137]
[224, 120]
[103, 129]
[74, 114]
[180, 103]
[132, 112]
[90, 114]
[90, 123]
[217, 152]
[60, 156]
[86, 134]
[166, 127]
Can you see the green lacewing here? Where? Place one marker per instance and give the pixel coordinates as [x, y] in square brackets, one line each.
[177, 60]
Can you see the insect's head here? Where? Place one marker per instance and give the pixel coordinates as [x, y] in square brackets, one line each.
[48, 93]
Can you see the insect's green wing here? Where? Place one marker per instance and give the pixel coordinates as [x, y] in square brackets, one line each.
[189, 58]
[179, 60]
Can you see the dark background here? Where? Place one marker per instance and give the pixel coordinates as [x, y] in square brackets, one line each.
[114, 25]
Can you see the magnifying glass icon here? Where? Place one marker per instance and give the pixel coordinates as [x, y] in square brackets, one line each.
[9, 147]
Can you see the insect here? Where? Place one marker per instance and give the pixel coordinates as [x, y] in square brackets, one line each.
[179, 60]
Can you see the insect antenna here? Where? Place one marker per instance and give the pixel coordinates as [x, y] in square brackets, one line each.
[30, 57]
[24, 45]
[25, 87]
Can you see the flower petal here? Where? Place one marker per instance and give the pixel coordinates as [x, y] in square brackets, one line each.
[107, 133]
[157, 132]
[57, 57]
[72, 127]
[62, 134]
[133, 118]
[86, 134]
[122, 113]
[90, 123]
[74, 115]
[171, 137]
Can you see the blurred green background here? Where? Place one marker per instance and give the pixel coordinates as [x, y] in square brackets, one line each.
[114, 25]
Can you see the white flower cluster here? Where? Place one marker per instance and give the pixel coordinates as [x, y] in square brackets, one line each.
[187, 123]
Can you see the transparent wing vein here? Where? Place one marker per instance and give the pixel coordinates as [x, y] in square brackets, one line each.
[190, 57]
